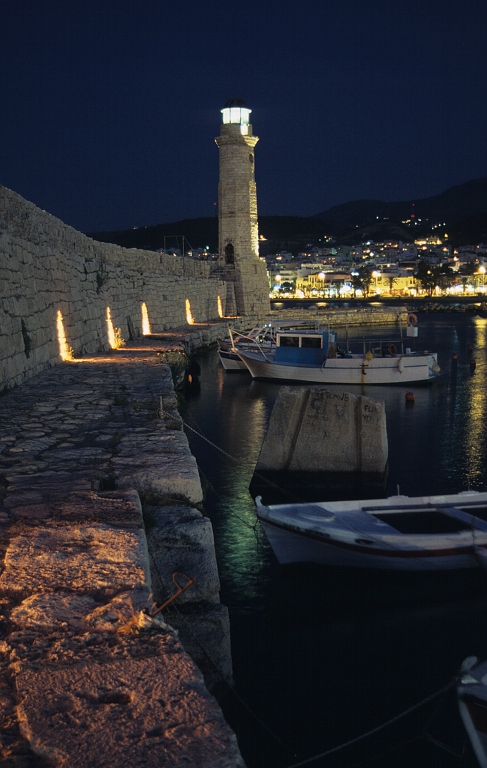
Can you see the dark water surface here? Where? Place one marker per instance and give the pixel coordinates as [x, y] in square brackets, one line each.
[323, 655]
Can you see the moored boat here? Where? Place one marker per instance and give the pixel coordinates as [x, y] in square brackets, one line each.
[260, 338]
[472, 703]
[426, 533]
[313, 356]
[263, 334]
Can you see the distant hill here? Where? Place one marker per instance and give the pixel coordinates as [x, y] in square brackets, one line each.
[283, 231]
[462, 208]
[451, 207]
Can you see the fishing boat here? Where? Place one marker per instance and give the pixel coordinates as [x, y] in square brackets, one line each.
[314, 356]
[400, 533]
[263, 334]
[472, 703]
[261, 337]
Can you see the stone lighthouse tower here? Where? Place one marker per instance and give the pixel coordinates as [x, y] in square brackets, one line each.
[238, 236]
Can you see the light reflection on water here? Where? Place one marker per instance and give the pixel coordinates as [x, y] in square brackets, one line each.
[301, 638]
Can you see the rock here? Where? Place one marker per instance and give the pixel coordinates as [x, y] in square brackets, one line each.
[88, 559]
[180, 539]
[134, 711]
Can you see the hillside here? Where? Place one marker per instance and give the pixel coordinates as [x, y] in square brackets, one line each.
[462, 208]
[452, 206]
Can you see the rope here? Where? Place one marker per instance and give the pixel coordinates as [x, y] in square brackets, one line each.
[378, 728]
[217, 669]
[270, 483]
[346, 744]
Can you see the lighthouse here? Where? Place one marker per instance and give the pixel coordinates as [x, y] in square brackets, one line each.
[238, 231]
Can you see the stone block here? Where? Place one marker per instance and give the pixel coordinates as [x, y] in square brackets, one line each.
[322, 444]
[92, 560]
[127, 712]
[180, 540]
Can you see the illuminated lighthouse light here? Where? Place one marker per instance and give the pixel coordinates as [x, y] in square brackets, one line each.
[237, 114]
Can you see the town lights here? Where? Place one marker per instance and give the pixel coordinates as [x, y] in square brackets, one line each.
[482, 274]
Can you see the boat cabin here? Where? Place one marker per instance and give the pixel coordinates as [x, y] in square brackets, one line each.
[305, 347]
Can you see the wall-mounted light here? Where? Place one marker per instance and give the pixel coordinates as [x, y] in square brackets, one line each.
[145, 320]
[189, 316]
[64, 349]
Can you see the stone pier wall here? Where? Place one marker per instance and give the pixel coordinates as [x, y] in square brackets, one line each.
[91, 671]
[47, 267]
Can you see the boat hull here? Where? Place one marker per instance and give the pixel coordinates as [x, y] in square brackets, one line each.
[293, 547]
[406, 369]
[231, 361]
[436, 533]
[472, 703]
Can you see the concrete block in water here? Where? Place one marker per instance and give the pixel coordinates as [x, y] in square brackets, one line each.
[315, 435]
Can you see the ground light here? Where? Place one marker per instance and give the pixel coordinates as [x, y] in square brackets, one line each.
[189, 316]
[145, 320]
[64, 349]
[115, 339]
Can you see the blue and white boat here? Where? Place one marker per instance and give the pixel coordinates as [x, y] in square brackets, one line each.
[313, 356]
[399, 533]
[263, 334]
[261, 337]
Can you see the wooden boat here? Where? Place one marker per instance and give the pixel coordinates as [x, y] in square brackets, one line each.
[472, 703]
[313, 356]
[401, 533]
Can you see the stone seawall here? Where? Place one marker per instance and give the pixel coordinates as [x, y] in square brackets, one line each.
[50, 271]
[100, 509]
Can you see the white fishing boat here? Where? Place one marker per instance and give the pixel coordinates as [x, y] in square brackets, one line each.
[261, 337]
[313, 356]
[472, 703]
[263, 334]
[400, 533]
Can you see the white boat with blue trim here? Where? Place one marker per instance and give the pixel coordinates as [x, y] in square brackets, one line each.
[313, 356]
[400, 533]
[261, 337]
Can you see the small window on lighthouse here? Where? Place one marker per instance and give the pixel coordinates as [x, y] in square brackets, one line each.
[229, 254]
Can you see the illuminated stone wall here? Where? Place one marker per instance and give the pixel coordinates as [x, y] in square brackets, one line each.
[47, 267]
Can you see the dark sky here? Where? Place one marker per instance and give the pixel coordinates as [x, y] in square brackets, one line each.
[110, 108]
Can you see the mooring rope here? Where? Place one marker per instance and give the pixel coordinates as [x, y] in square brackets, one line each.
[220, 673]
[340, 747]
[378, 728]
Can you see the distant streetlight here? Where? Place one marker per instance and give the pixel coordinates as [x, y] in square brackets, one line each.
[376, 276]
[482, 272]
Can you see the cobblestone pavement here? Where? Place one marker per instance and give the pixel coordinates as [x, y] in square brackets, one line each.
[73, 559]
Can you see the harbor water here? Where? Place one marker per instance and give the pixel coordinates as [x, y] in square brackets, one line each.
[322, 655]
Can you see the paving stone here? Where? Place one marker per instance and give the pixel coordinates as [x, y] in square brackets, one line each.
[89, 666]
[87, 559]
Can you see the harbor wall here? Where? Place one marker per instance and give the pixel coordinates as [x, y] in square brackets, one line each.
[50, 271]
[100, 512]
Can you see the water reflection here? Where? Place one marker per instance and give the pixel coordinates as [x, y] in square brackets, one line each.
[322, 655]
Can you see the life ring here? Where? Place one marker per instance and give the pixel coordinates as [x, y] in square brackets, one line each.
[392, 350]
[412, 319]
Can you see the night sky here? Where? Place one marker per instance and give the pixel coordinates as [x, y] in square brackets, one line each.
[110, 108]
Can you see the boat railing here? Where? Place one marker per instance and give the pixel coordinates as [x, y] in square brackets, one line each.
[379, 347]
[236, 336]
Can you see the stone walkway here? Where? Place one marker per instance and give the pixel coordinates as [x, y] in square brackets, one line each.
[87, 677]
